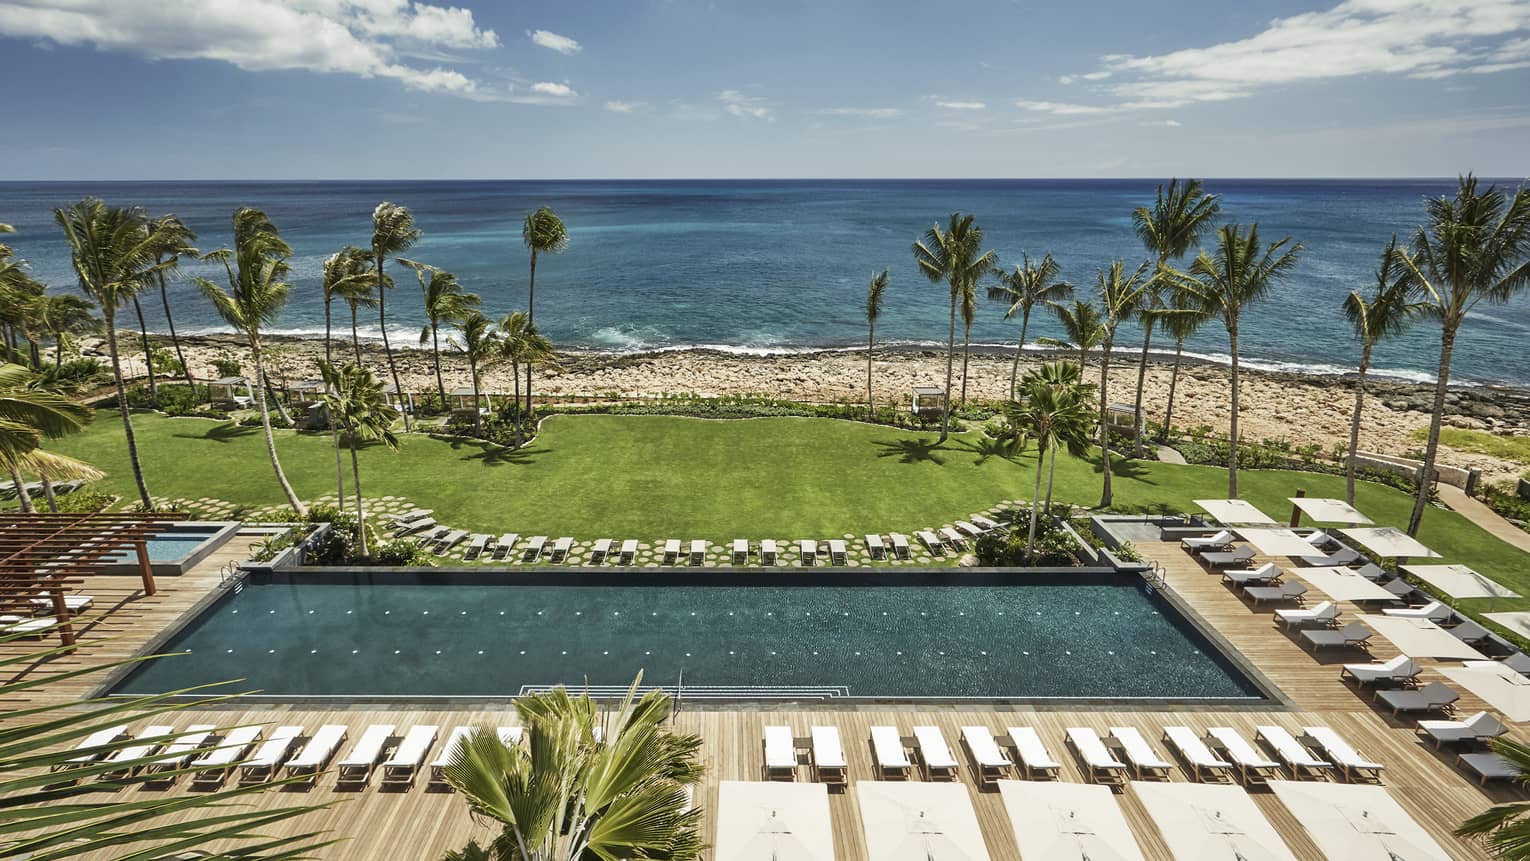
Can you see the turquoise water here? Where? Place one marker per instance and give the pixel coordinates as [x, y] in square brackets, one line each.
[169, 547]
[891, 635]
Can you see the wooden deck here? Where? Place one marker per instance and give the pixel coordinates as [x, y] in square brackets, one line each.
[421, 824]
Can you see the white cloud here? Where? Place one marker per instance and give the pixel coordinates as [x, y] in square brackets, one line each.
[740, 105]
[553, 88]
[1060, 108]
[960, 106]
[620, 107]
[364, 38]
[549, 39]
[868, 113]
[1167, 124]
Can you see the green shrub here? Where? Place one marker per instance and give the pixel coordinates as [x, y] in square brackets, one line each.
[403, 551]
[227, 366]
[1005, 548]
[165, 362]
[85, 501]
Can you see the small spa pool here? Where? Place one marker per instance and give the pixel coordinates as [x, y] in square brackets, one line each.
[176, 548]
[732, 635]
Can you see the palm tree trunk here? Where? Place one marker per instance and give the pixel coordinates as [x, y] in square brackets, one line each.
[382, 322]
[477, 406]
[48, 494]
[329, 359]
[1014, 369]
[1147, 340]
[516, 419]
[1051, 476]
[36, 356]
[1441, 386]
[531, 319]
[148, 353]
[122, 407]
[265, 424]
[21, 489]
[966, 354]
[361, 516]
[1354, 423]
[175, 341]
[1030, 536]
[945, 408]
[435, 348]
[355, 338]
[334, 435]
[871, 339]
[1105, 494]
[58, 351]
[1168, 413]
[1232, 429]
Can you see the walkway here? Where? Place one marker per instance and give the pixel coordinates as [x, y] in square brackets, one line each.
[1478, 513]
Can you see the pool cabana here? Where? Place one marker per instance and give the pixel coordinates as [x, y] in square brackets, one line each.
[401, 401]
[231, 390]
[927, 401]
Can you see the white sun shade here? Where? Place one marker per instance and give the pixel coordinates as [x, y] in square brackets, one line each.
[1389, 541]
[1349, 821]
[1344, 584]
[1235, 511]
[1459, 581]
[1421, 638]
[1329, 510]
[1053, 820]
[763, 821]
[919, 821]
[1202, 820]
[1276, 542]
[1518, 622]
[1506, 691]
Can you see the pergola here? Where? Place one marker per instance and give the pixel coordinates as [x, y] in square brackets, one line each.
[44, 556]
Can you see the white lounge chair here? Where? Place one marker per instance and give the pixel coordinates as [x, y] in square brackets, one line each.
[561, 547]
[671, 551]
[1253, 766]
[1342, 556]
[875, 547]
[1231, 557]
[1296, 756]
[935, 757]
[1351, 636]
[357, 766]
[601, 551]
[409, 517]
[457, 738]
[829, 764]
[768, 551]
[899, 545]
[534, 549]
[414, 527]
[1478, 727]
[1145, 762]
[75, 604]
[992, 764]
[145, 743]
[740, 551]
[1490, 766]
[780, 753]
[177, 753]
[429, 538]
[807, 550]
[930, 542]
[1203, 763]
[988, 523]
[1321, 614]
[1433, 697]
[953, 538]
[404, 764]
[1434, 611]
[271, 755]
[698, 551]
[1349, 761]
[1398, 670]
[85, 752]
[1319, 539]
[888, 750]
[477, 543]
[1217, 541]
[450, 540]
[967, 529]
[1269, 572]
[628, 551]
[510, 736]
[212, 767]
[1101, 765]
[20, 626]
[1032, 753]
[1290, 590]
[317, 752]
[838, 553]
[504, 544]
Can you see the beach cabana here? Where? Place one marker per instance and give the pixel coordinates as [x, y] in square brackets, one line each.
[231, 390]
[1232, 512]
[1459, 581]
[1351, 821]
[1067, 820]
[1207, 820]
[1275, 541]
[1325, 511]
[404, 401]
[1345, 584]
[919, 821]
[1389, 542]
[1421, 638]
[927, 401]
[305, 392]
[1499, 686]
[1121, 416]
[765, 821]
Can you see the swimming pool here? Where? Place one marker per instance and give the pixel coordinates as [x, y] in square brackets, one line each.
[731, 635]
[174, 549]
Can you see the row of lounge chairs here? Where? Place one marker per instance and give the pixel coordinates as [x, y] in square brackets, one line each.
[12, 624]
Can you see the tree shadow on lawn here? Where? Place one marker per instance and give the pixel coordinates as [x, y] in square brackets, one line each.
[495, 455]
[911, 450]
[225, 432]
[987, 447]
[1132, 469]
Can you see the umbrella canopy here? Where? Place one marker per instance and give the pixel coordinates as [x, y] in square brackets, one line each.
[773, 821]
[1459, 581]
[1389, 541]
[1363, 823]
[1277, 541]
[1344, 584]
[1421, 638]
[919, 822]
[1518, 622]
[1211, 821]
[1329, 510]
[1235, 511]
[1065, 821]
[1495, 684]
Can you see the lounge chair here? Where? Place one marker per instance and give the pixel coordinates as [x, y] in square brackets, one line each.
[1517, 661]
[510, 736]
[1349, 761]
[504, 544]
[698, 551]
[400, 768]
[955, 539]
[1032, 753]
[317, 752]
[1351, 636]
[458, 737]
[1342, 556]
[780, 753]
[1298, 759]
[270, 756]
[890, 754]
[838, 554]
[930, 542]
[1470, 632]
[601, 551]
[476, 545]
[967, 529]
[829, 764]
[807, 549]
[1253, 766]
[212, 767]
[86, 753]
[1400, 670]
[1229, 558]
[356, 767]
[414, 527]
[1211, 542]
[410, 517]
[75, 604]
[145, 743]
[179, 752]
[1203, 763]
[1433, 697]
[534, 548]
[1288, 591]
[1434, 611]
[1490, 766]
[1101, 764]
[1320, 539]
[899, 545]
[20, 626]
[1325, 613]
[988, 523]
[875, 547]
[628, 551]
[768, 551]
[561, 547]
[671, 551]
[1145, 762]
[1269, 572]
[429, 538]
[935, 757]
[740, 551]
[992, 764]
[450, 540]
[1371, 571]
[1404, 590]
[1478, 727]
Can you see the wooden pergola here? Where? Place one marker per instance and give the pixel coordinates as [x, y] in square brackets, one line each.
[45, 556]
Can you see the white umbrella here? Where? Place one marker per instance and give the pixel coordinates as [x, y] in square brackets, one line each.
[919, 822]
[1459, 581]
[1235, 511]
[773, 821]
[1506, 691]
[1389, 541]
[1328, 510]
[1276, 541]
[1067, 822]
[1210, 821]
[1357, 822]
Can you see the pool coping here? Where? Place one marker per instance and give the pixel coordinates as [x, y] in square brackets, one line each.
[214, 541]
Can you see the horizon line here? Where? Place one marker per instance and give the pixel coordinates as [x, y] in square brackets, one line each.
[1160, 178]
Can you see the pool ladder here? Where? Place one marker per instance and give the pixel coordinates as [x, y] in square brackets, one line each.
[1156, 574]
[231, 572]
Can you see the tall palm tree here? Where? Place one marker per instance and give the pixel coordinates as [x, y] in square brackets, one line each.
[1474, 249]
[1177, 221]
[1121, 297]
[1384, 312]
[479, 342]
[874, 291]
[175, 240]
[445, 302]
[1180, 319]
[586, 785]
[1224, 283]
[29, 415]
[1083, 329]
[969, 313]
[359, 411]
[257, 268]
[1053, 412]
[114, 254]
[357, 295]
[62, 314]
[1029, 285]
[543, 232]
[393, 233]
[521, 344]
[955, 256]
[346, 276]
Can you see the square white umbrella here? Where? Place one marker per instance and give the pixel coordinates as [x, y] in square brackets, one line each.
[1362, 823]
[1421, 638]
[1235, 511]
[1056, 821]
[773, 821]
[1389, 541]
[1518, 622]
[1276, 541]
[1344, 584]
[919, 822]
[1203, 820]
[1328, 510]
[1506, 691]
[1459, 581]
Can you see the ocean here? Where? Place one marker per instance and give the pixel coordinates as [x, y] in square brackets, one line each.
[780, 266]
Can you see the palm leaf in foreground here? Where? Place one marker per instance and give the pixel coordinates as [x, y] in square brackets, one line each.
[1505, 828]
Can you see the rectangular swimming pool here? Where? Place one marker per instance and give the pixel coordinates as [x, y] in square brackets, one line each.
[733, 635]
[176, 548]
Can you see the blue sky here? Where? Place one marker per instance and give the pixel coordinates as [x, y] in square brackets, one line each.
[165, 89]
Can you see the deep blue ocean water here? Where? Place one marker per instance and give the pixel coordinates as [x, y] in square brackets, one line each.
[783, 265]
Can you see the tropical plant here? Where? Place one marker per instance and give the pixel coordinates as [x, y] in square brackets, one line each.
[520, 343]
[955, 256]
[874, 292]
[60, 315]
[587, 785]
[1029, 285]
[1053, 412]
[479, 343]
[1224, 283]
[1083, 329]
[29, 415]
[360, 413]
[969, 314]
[1121, 296]
[1474, 249]
[113, 253]
[1180, 319]
[1505, 828]
[445, 302]
[257, 289]
[393, 233]
[346, 276]
[543, 232]
[174, 240]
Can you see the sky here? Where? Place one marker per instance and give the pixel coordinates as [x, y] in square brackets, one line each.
[393, 89]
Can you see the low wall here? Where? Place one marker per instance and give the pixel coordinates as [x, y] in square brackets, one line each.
[1466, 479]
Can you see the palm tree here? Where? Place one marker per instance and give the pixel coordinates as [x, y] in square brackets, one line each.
[1180, 319]
[586, 785]
[1121, 297]
[114, 254]
[969, 313]
[544, 233]
[175, 240]
[1054, 412]
[256, 267]
[1236, 276]
[358, 410]
[346, 276]
[479, 342]
[953, 255]
[357, 295]
[61, 314]
[393, 233]
[29, 415]
[874, 291]
[1083, 329]
[521, 343]
[1472, 250]
[1386, 312]
[445, 302]
[1029, 285]
[1505, 828]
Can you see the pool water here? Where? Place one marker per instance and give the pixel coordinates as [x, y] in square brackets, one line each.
[890, 636]
[169, 546]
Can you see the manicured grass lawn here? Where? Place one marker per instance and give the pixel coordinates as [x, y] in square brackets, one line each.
[1515, 448]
